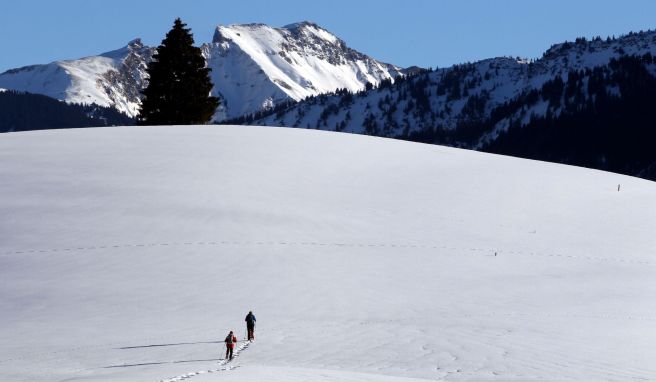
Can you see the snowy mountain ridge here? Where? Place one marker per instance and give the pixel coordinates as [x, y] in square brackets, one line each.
[254, 66]
[110, 79]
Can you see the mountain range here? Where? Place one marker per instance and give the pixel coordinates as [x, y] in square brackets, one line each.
[254, 66]
[447, 97]
[585, 103]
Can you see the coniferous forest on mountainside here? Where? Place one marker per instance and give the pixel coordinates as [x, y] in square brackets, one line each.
[601, 130]
[25, 111]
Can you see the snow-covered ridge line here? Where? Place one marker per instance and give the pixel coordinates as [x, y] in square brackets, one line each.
[110, 79]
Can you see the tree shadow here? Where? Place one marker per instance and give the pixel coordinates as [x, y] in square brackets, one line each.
[174, 344]
[162, 363]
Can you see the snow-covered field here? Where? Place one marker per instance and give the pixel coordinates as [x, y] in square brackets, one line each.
[126, 254]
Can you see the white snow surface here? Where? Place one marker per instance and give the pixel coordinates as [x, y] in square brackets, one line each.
[126, 254]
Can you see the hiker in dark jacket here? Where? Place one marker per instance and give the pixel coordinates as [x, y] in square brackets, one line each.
[230, 341]
[250, 325]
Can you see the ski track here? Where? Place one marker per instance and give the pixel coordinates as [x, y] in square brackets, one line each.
[473, 251]
[223, 366]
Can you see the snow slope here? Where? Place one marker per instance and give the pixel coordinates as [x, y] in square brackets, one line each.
[126, 254]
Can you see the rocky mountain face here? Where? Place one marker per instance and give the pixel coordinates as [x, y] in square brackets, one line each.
[254, 67]
[493, 104]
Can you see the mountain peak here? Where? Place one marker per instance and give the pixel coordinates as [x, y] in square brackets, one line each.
[298, 30]
[289, 62]
[119, 54]
[301, 24]
[310, 29]
[218, 37]
[136, 43]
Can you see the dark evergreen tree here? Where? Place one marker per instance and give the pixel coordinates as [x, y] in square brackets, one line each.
[178, 92]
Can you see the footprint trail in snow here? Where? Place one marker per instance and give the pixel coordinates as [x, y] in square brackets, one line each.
[224, 365]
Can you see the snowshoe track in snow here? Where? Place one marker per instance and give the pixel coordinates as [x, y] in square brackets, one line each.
[473, 251]
[224, 365]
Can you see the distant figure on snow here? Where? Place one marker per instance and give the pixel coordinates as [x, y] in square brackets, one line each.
[230, 341]
[250, 325]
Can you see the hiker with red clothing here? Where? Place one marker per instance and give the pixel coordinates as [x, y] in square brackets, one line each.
[230, 341]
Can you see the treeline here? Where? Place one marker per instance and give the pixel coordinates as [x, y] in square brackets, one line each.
[25, 111]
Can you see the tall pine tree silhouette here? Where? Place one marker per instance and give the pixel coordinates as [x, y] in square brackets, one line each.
[178, 92]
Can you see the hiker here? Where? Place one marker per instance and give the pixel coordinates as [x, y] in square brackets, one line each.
[230, 341]
[250, 325]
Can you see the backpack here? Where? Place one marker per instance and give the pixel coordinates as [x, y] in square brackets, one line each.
[228, 339]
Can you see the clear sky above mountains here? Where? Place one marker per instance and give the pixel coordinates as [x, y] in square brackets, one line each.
[412, 32]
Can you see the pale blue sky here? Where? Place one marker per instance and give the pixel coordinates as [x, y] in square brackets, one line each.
[408, 32]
